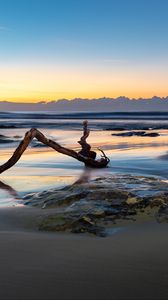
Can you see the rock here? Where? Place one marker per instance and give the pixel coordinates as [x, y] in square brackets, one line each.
[96, 230]
[64, 198]
[99, 213]
[29, 196]
[87, 220]
[157, 200]
[72, 224]
[90, 207]
[130, 133]
[136, 133]
[152, 134]
[162, 215]
[56, 223]
[132, 200]
[112, 211]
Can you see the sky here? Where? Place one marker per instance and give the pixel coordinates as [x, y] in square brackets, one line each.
[54, 49]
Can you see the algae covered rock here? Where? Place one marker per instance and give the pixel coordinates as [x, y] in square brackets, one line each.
[91, 207]
[74, 224]
[162, 215]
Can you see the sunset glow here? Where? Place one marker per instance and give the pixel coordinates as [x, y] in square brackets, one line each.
[57, 54]
[32, 85]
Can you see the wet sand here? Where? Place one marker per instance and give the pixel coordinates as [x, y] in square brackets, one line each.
[131, 264]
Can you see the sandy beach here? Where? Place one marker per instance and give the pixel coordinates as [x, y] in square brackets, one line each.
[130, 264]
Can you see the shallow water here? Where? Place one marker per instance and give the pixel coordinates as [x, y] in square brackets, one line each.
[43, 168]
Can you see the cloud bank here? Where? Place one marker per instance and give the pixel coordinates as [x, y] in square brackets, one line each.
[120, 104]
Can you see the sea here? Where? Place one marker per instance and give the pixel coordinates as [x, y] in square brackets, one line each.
[135, 142]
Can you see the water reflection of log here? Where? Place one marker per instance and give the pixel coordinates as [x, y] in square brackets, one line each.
[11, 191]
[85, 176]
[85, 155]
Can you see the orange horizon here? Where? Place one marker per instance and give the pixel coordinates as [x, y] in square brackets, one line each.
[34, 84]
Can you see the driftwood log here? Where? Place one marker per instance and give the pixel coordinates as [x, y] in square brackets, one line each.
[85, 155]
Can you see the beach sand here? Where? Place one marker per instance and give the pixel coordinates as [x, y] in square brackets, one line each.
[130, 264]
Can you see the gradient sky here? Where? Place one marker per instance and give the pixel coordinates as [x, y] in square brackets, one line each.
[52, 49]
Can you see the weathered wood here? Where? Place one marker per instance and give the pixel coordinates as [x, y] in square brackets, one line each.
[34, 133]
[86, 148]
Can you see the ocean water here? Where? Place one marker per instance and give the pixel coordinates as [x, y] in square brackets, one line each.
[72, 120]
[41, 168]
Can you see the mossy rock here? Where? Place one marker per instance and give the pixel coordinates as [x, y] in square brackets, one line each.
[72, 224]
